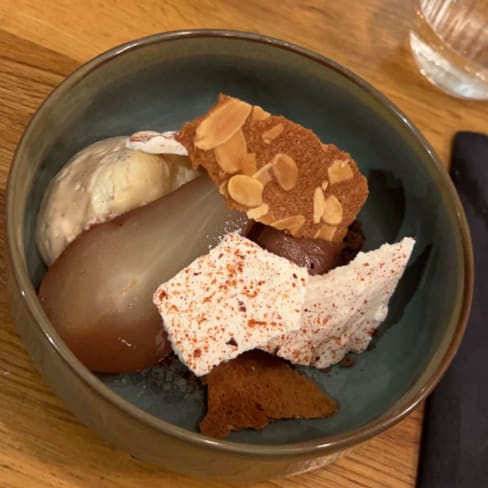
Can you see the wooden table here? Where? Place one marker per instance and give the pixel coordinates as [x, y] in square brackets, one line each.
[41, 443]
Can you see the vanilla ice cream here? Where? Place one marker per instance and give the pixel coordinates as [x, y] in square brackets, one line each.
[102, 181]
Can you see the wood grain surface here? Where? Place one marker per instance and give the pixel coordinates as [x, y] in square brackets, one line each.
[41, 443]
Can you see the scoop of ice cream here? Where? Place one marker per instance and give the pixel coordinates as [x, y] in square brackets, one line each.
[102, 181]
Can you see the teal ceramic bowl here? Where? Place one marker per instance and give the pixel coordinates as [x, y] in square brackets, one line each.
[159, 83]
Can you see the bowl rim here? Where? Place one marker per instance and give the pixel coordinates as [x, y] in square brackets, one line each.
[317, 446]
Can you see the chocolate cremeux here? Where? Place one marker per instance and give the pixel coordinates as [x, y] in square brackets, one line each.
[317, 255]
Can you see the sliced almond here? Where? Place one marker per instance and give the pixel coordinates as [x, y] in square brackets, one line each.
[248, 164]
[267, 219]
[340, 171]
[229, 154]
[263, 174]
[318, 205]
[245, 190]
[256, 212]
[285, 170]
[272, 133]
[324, 185]
[223, 188]
[222, 123]
[292, 223]
[258, 113]
[332, 211]
[325, 232]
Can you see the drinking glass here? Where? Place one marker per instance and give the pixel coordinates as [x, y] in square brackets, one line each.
[449, 43]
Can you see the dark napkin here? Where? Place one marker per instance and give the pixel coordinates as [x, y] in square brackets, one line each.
[454, 450]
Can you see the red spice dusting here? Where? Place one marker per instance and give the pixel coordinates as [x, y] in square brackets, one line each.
[162, 295]
[197, 352]
[253, 322]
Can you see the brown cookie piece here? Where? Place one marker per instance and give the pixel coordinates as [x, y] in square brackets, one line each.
[256, 388]
[276, 171]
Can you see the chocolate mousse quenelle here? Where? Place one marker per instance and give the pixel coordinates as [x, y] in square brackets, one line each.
[317, 255]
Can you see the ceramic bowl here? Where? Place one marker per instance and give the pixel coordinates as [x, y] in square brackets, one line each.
[159, 83]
